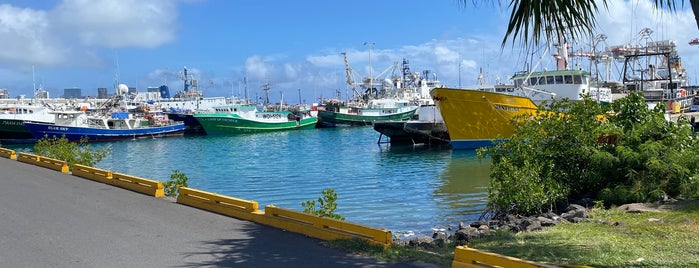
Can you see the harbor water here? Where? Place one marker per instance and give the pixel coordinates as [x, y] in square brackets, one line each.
[409, 190]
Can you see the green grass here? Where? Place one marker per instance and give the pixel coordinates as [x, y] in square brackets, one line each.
[638, 240]
[441, 256]
[610, 238]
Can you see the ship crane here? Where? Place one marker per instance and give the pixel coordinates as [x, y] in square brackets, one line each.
[348, 72]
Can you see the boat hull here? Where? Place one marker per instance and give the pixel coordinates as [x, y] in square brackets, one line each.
[39, 130]
[217, 124]
[332, 119]
[413, 132]
[476, 118]
[191, 125]
[13, 129]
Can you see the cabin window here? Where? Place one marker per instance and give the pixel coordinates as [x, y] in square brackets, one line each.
[549, 80]
[568, 79]
[559, 79]
[584, 80]
[542, 80]
[577, 79]
[518, 82]
[532, 81]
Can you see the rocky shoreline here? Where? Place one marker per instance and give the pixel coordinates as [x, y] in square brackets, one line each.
[467, 232]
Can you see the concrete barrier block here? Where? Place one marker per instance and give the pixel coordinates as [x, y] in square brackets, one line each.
[7, 153]
[55, 164]
[229, 206]
[323, 228]
[465, 257]
[95, 174]
[27, 158]
[137, 184]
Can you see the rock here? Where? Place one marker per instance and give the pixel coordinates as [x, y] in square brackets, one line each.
[425, 242]
[636, 208]
[574, 211]
[466, 234]
[531, 224]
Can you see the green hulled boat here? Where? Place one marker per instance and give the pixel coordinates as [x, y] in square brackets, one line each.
[235, 119]
[380, 110]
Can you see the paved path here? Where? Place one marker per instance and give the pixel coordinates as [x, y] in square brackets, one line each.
[51, 219]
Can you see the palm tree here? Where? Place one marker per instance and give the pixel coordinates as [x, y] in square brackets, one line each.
[532, 20]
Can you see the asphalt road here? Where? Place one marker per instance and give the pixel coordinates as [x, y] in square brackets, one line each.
[51, 219]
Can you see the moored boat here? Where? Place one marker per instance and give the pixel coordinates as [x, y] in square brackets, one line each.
[236, 119]
[478, 116]
[76, 125]
[12, 118]
[429, 128]
[375, 100]
[475, 118]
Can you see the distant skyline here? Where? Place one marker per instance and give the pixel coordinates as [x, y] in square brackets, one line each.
[292, 45]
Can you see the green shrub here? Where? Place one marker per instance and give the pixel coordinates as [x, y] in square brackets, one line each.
[326, 206]
[568, 151]
[74, 153]
[177, 180]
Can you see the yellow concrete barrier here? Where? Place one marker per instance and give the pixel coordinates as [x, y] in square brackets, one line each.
[55, 164]
[137, 184]
[229, 206]
[27, 158]
[7, 153]
[465, 257]
[95, 174]
[323, 228]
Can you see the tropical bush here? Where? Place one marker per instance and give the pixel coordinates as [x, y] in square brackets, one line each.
[570, 150]
[326, 206]
[177, 180]
[74, 153]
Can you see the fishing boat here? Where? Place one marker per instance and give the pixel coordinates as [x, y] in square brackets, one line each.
[393, 99]
[13, 116]
[428, 128]
[241, 118]
[656, 70]
[477, 116]
[76, 125]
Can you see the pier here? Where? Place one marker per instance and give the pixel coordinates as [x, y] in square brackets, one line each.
[54, 219]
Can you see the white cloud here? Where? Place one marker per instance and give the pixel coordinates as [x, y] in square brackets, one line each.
[257, 69]
[116, 24]
[47, 38]
[26, 38]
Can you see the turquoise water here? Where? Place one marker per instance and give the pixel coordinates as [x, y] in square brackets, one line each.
[404, 189]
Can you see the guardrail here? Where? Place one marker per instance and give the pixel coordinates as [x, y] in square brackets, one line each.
[137, 184]
[323, 228]
[7, 153]
[465, 257]
[229, 206]
[298, 222]
[55, 164]
[95, 174]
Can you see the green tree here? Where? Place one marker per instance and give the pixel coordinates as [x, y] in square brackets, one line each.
[74, 153]
[532, 20]
[177, 180]
[326, 206]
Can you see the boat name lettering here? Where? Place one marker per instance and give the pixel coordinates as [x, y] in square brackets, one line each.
[58, 128]
[270, 116]
[13, 123]
[506, 108]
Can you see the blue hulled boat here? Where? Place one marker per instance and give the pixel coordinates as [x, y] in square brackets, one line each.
[76, 125]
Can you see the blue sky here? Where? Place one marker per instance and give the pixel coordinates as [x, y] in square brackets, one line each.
[292, 45]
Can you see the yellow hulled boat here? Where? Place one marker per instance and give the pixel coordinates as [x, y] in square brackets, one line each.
[475, 118]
